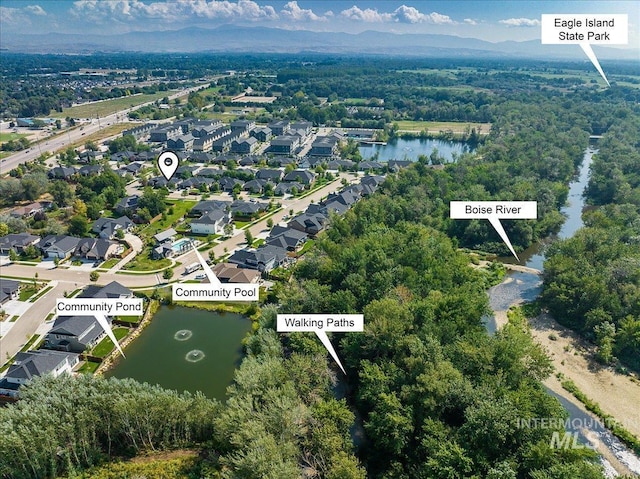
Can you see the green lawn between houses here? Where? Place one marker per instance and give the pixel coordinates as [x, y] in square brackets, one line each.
[105, 346]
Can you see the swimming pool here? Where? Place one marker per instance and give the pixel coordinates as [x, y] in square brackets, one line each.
[181, 245]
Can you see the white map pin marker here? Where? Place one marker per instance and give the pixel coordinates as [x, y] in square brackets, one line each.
[168, 163]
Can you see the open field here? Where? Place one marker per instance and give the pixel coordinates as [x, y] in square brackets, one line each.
[4, 137]
[107, 107]
[436, 126]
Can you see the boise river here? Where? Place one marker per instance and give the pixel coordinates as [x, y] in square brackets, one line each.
[518, 287]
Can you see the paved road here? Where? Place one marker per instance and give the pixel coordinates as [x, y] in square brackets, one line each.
[153, 279]
[75, 135]
[28, 323]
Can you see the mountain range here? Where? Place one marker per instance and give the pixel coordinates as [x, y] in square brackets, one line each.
[239, 39]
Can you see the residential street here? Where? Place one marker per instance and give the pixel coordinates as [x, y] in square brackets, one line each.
[29, 322]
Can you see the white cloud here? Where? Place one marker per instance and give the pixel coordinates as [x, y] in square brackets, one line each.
[36, 10]
[470, 21]
[521, 22]
[177, 11]
[402, 14]
[292, 11]
[369, 15]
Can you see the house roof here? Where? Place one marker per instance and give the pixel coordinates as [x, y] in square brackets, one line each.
[165, 235]
[64, 243]
[247, 207]
[284, 188]
[17, 239]
[232, 273]
[111, 290]
[7, 288]
[305, 176]
[98, 246]
[30, 364]
[76, 326]
[267, 174]
[210, 218]
[208, 205]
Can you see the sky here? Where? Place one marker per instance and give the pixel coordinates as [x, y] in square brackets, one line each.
[487, 20]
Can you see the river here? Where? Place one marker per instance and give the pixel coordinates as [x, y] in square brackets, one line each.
[186, 349]
[518, 287]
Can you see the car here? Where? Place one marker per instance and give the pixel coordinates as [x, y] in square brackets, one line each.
[201, 276]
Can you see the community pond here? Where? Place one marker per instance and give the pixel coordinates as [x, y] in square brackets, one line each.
[411, 148]
[186, 349]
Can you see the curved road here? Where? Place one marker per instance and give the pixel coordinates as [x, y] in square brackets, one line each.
[68, 280]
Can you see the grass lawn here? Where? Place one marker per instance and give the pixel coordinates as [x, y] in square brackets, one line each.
[26, 292]
[107, 107]
[105, 346]
[180, 208]
[98, 136]
[306, 247]
[241, 224]
[143, 262]
[4, 137]
[89, 367]
[110, 263]
[129, 319]
[435, 126]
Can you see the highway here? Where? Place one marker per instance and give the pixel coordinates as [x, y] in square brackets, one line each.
[75, 135]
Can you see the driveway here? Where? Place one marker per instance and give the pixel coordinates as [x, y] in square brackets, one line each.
[136, 246]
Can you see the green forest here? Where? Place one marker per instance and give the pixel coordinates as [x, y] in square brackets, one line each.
[428, 394]
[592, 280]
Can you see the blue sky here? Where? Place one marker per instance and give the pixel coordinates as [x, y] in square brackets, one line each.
[487, 20]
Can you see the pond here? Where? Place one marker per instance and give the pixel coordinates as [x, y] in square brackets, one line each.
[411, 148]
[186, 349]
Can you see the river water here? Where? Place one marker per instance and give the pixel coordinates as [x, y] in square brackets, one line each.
[518, 287]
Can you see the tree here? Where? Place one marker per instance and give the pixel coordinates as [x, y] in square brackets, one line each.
[270, 223]
[167, 274]
[79, 207]
[78, 226]
[228, 229]
[61, 192]
[248, 237]
[4, 229]
[94, 276]
[33, 185]
[56, 261]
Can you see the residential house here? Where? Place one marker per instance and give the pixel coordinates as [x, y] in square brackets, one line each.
[181, 143]
[261, 134]
[397, 165]
[264, 259]
[107, 228]
[284, 144]
[210, 172]
[287, 238]
[227, 183]
[59, 246]
[274, 176]
[281, 161]
[324, 146]
[244, 146]
[232, 273]
[75, 333]
[311, 223]
[165, 133]
[97, 249]
[255, 186]
[90, 170]
[288, 188]
[243, 126]
[61, 172]
[127, 205]
[165, 236]
[211, 223]
[224, 143]
[370, 165]
[305, 177]
[305, 126]
[247, 209]
[90, 156]
[279, 128]
[30, 364]
[17, 242]
[344, 165]
[208, 205]
[29, 210]
[9, 289]
[196, 182]
[201, 156]
[203, 143]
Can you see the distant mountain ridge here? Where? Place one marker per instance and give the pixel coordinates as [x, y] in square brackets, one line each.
[239, 39]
